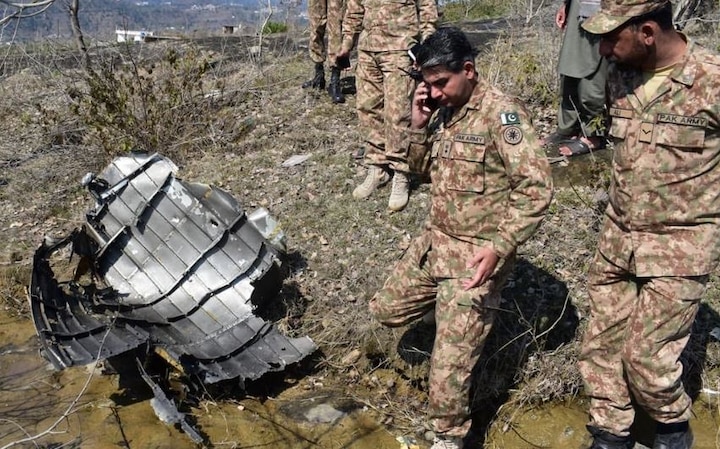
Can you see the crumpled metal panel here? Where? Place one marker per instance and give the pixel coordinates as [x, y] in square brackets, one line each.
[185, 267]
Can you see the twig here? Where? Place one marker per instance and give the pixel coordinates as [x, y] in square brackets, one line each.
[262, 30]
[120, 426]
[22, 429]
[70, 407]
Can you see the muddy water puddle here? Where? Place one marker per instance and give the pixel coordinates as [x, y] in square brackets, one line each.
[562, 426]
[81, 408]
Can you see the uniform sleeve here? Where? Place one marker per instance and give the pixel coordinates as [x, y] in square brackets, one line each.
[428, 16]
[529, 176]
[418, 153]
[352, 23]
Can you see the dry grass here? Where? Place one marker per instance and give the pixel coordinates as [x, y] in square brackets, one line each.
[340, 250]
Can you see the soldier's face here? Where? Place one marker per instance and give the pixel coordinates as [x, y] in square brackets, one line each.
[448, 88]
[627, 45]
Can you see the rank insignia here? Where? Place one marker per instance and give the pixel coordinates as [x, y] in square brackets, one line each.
[513, 135]
[509, 118]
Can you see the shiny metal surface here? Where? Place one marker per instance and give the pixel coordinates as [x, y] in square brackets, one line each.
[179, 266]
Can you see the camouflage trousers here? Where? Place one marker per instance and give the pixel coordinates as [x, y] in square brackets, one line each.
[325, 21]
[463, 319]
[383, 106]
[638, 328]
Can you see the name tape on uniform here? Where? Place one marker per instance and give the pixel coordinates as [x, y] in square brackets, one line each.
[469, 138]
[622, 113]
[682, 120]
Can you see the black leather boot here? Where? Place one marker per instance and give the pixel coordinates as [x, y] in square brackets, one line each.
[318, 80]
[606, 440]
[334, 90]
[673, 436]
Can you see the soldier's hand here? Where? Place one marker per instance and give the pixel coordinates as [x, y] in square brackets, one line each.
[485, 260]
[421, 106]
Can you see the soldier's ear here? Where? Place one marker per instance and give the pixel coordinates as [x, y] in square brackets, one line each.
[469, 70]
[648, 32]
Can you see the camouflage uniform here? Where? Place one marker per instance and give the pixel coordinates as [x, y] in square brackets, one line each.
[659, 242]
[325, 18]
[491, 186]
[387, 29]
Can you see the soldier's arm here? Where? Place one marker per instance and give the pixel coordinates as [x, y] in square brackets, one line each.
[416, 137]
[529, 176]
[352, 24]
[428, 17]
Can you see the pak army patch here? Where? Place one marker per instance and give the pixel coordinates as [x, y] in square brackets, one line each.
[513, 135]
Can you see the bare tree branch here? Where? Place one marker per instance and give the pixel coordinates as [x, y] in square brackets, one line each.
[73, 9]
[262, 30]
[21, 10]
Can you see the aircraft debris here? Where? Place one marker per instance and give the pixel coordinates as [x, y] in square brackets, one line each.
[177, 266]
[165, 408]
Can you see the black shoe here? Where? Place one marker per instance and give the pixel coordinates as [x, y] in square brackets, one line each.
[334, 90]
[606, 440]
[673, 436]
[318, 80]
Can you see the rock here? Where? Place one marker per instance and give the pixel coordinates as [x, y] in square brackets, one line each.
[352, 357]
[324, 413]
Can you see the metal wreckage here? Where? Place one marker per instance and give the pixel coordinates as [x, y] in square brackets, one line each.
[176, 268]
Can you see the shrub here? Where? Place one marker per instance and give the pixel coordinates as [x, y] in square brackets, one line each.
[166, 104]
[274, 27]
[524, 64]
[457, 10]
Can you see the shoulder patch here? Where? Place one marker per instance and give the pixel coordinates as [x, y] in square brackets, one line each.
[513, 135]
[509, 118]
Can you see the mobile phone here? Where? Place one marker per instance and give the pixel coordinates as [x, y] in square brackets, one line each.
[431, 103]
[343, 62]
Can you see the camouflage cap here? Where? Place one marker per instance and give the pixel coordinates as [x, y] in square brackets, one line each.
[614, 13]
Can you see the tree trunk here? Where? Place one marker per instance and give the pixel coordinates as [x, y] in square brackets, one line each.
[74, 8]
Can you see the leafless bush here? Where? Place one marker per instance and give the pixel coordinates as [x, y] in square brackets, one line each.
[523, 62]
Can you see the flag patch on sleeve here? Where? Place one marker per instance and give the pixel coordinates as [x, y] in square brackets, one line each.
[509, 118]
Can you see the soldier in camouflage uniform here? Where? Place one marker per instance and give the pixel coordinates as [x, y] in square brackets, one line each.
[387, 29]
[491, 186]
[326, 21]
[661, 235]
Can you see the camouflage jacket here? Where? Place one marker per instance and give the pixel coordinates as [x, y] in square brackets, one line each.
[386, 25]
[491, 181]
[665, 189]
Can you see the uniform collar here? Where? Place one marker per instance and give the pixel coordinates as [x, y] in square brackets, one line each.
[686, 70]
[474, 103]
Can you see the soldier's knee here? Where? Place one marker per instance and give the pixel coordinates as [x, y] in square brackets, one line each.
[635, 358]
[377, 309]
[383, 312]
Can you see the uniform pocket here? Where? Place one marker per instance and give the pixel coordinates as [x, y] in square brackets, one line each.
[679, 148]
[464, 166]
[618, 133]
[619, 128]
[399, 17]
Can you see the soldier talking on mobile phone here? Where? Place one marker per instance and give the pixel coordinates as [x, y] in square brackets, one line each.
[491, 186]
